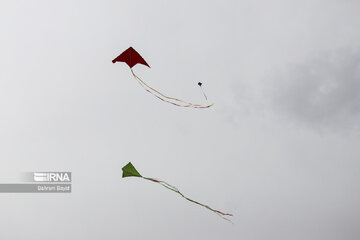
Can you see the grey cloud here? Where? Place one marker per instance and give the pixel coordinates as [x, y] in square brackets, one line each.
[323, 91]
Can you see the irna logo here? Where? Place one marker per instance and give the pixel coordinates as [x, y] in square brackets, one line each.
[52, 176]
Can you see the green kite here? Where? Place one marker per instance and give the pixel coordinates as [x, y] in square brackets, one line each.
[130, 171]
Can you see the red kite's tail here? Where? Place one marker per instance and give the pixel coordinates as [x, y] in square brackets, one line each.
[162, 97]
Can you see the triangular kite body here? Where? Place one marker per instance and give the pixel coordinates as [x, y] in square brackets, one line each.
[131, 57]
[130, 171]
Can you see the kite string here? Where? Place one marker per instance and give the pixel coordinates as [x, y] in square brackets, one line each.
[144, 85]
[168, 186]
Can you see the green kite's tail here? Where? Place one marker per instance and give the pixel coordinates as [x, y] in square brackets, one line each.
[172, 188]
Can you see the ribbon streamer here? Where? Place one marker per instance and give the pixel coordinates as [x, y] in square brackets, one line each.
[162, 97]
[174, 189]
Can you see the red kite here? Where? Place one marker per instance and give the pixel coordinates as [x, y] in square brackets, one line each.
[131, 57]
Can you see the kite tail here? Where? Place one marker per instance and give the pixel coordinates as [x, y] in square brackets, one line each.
[174, 189]
[162, 97]
[203, 93]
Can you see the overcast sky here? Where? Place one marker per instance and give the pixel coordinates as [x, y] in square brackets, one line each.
[279, 149]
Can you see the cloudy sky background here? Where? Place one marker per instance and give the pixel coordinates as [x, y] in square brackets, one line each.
[279, 150]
